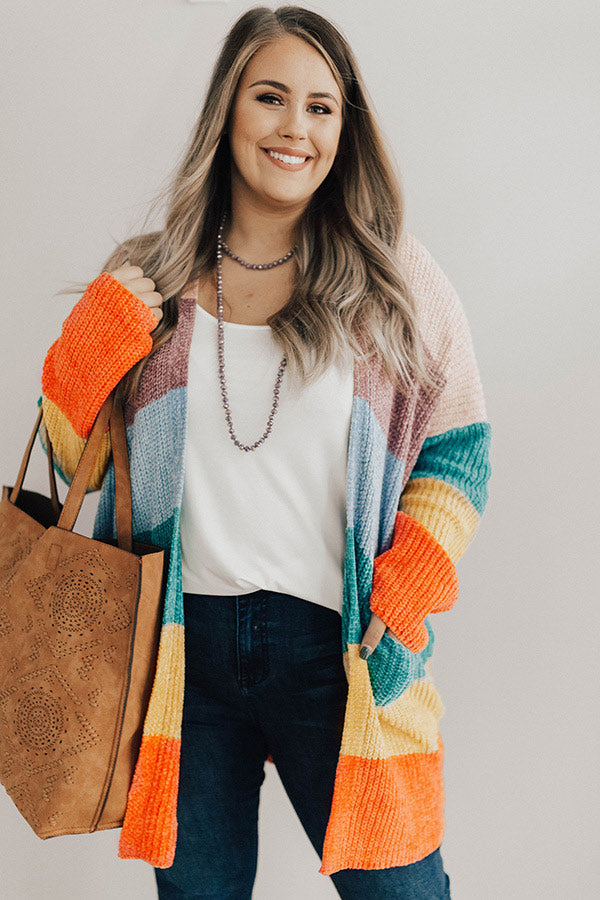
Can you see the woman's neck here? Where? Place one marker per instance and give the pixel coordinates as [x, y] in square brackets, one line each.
[260, 235]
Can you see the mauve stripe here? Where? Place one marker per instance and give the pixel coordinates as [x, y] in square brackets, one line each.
[403, 420]
[168, 368]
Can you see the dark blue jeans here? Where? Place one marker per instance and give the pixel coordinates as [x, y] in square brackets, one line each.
[264, 674]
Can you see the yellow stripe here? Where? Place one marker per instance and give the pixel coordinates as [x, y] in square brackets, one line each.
[407, 725]
[444, 511]
[68, 446]
[163, 717]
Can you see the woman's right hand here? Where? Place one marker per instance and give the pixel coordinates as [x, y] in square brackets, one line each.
[132, 277]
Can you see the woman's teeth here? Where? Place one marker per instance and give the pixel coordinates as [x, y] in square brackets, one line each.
[298, 160]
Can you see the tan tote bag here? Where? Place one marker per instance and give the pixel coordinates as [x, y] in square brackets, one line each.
[80, 623]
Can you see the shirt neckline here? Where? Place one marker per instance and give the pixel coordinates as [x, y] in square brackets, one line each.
[232, 324]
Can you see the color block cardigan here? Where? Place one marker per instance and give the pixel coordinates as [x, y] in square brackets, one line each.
[417, 485]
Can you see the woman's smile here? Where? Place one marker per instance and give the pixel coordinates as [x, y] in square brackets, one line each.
[290, 166]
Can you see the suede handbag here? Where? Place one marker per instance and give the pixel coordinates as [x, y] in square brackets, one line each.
[80, 622]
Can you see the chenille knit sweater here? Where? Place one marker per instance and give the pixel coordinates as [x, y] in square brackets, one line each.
[417, 485]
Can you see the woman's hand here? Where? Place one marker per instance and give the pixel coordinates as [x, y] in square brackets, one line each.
[375, 631]
[132, 278]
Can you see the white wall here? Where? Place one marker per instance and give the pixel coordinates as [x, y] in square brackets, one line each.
[490, 110]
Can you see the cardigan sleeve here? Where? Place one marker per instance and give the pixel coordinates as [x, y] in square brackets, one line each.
[442, 502]
[105, 334]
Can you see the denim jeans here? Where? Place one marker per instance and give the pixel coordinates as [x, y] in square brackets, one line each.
[264, 675]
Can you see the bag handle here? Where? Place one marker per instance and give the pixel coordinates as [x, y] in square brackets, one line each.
[112, 410]
[123, 499]
[111, 414]
[51, 473]
[25, 462]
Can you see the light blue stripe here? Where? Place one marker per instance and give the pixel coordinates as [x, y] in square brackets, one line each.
[155, 441]
[374, 482]
[367, 451]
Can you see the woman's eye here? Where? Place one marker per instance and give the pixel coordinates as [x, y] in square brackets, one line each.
[268, 97]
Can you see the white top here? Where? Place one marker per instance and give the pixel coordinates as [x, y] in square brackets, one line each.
[273, 517]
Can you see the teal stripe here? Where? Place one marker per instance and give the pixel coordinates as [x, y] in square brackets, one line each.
[173, 607]
[392, 666]
[460, 457]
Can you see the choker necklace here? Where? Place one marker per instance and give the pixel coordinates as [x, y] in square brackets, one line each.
[221, 245]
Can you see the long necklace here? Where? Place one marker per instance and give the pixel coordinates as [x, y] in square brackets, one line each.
[221, 245]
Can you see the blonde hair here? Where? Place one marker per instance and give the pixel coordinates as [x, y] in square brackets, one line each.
[349, 292]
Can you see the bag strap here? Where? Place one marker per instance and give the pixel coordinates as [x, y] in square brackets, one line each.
[111, 415]
[25, 462]
[51, 473]
[111, 411]
[123, 500]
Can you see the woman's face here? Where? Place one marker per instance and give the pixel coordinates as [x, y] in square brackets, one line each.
[287, 117]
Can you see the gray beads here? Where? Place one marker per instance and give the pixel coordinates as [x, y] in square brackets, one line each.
[221, 245]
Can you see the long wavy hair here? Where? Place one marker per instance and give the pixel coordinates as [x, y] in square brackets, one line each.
[349, 292]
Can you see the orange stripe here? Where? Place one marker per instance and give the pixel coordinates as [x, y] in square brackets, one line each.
[413, 578]
[104, 335]
[385, 812]
[150, 825]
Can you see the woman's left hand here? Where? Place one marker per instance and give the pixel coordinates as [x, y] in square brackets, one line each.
[375, 631]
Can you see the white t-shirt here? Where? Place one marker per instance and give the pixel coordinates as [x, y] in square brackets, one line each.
[273, 517]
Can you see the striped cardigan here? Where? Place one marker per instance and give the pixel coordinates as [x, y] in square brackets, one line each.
[417, 484]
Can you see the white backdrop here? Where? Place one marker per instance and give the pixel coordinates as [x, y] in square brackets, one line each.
[492, 113]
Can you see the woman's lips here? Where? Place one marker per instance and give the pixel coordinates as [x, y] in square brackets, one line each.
[291, 167]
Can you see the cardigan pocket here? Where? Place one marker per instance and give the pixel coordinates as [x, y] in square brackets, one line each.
[393, 667]
[410, 722]
[396, 701]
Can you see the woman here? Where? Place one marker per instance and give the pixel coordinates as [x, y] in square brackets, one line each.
[308, 440]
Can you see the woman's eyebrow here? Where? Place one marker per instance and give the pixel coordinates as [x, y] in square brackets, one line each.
[286, 90]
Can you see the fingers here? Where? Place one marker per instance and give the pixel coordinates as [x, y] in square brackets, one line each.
[144, 288]
[132, 277]
[372, 636]
[135, 283]
[126, 269]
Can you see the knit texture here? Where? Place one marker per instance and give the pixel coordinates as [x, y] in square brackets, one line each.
[417, 485]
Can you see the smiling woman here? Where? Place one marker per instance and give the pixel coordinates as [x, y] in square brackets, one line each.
[286, 280]
[285, 126]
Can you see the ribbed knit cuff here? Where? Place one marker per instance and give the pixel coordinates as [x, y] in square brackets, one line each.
[410, 580]
[104, 335]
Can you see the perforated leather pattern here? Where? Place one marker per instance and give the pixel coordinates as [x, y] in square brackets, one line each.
[65, 652]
